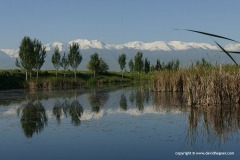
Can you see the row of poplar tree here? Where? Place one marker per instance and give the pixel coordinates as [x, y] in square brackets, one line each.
[32, 57]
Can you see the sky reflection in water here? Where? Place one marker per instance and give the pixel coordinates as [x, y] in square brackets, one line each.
[112, 124]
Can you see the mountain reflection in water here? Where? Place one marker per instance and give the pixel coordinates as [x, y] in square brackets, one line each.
[209, 124]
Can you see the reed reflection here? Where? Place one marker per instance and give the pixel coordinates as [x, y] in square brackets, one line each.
[168, 101]
[33, 118]
[217, 122]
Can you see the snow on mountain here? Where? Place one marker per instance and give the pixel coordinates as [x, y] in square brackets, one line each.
[10, 52]
[51, 46]
[233, 47]
[85, 44]
[178, 45]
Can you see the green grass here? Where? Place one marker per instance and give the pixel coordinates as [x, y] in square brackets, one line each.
[15, 79]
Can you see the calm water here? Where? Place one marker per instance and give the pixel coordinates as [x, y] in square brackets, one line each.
[113, 124]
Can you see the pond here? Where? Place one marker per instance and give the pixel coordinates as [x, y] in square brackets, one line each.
[115, 123]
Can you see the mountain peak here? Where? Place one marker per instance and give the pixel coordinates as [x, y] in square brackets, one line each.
[10, 52]
[85, 44]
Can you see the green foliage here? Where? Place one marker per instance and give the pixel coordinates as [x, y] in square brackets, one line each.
[65, 63]
[97, 64]
[74, 57]
[40, 53]
[26, 54]
[131, 65]
[122, 61]
[138, 62]
[103, 66]
[146, 65]
[31, 55]
[202, 63]
[56, 59]
[94, 63]
[171, 65]
[158, 65]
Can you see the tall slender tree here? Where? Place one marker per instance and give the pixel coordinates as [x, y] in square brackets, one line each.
[74, 57]
[158, 65]
[65, 63]
[122, 62]
[138, 62]
[131, 65]
[56, 59]
[27, 58]
[94, 63]
[40, 53]
[146, 65]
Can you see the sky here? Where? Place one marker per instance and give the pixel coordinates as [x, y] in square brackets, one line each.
[117, 21]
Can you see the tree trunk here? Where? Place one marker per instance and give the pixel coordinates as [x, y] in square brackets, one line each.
[94, 74]
[26, 76]
[37, 73]
[64, 73]
[75, 74]
[122, 74]
[56, 72]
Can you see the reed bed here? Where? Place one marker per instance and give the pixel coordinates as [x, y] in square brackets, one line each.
[202, 86]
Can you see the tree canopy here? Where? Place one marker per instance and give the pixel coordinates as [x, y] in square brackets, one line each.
[31, 55]
[122, 62]
[56, 59]
[74, 57]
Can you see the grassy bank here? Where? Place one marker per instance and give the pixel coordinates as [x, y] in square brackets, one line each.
[11, 80]
[15, 79]
[202, 85]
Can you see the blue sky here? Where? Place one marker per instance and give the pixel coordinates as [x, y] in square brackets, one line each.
[116, 21]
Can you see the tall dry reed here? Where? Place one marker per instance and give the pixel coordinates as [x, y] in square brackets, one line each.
[201, 86]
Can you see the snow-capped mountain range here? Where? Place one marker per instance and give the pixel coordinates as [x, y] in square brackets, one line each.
[152, 50]
[85, 44]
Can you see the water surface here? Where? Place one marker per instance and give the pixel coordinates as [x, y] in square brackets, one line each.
[125, 123]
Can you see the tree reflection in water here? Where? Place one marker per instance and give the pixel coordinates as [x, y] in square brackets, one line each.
[33, 118]
[139, 100]
[57, 111]
[205, 124]
[123, 102]
[74, 110]
[132, 97]
[97, 99]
